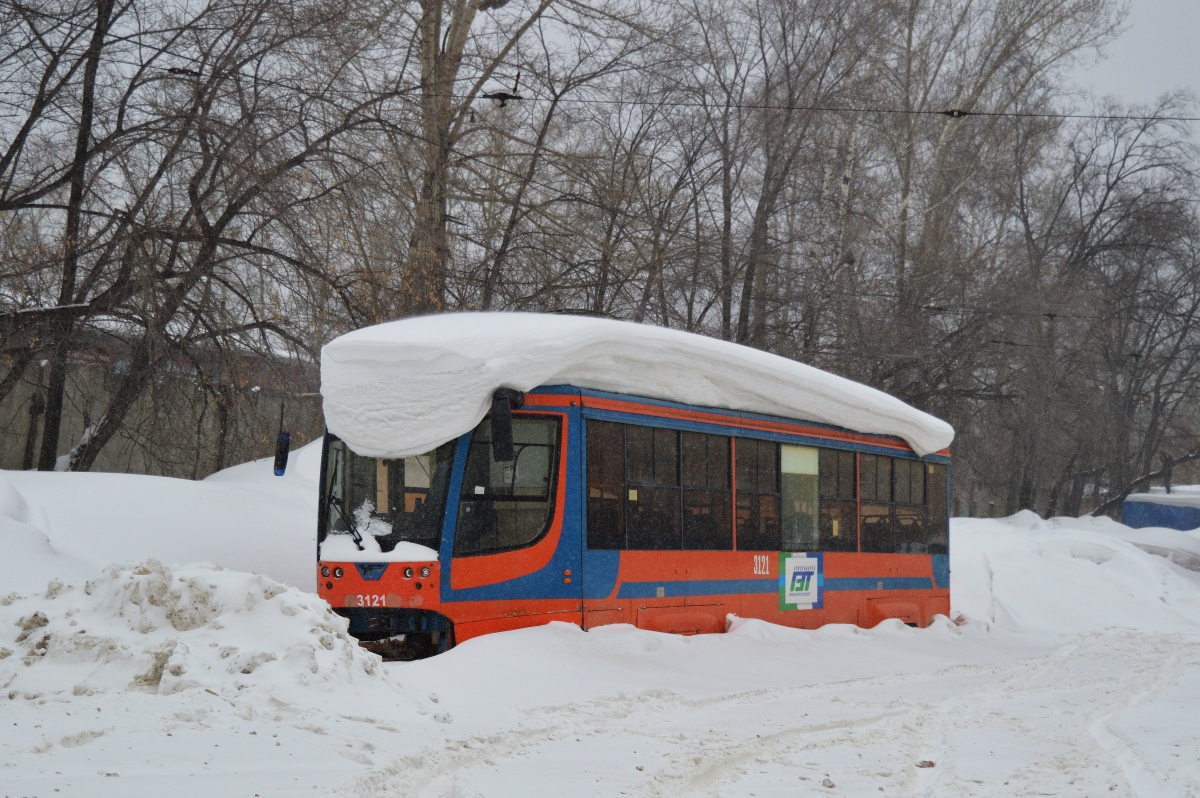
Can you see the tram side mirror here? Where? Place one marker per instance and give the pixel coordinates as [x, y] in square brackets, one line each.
[282, 445]
[504, 400]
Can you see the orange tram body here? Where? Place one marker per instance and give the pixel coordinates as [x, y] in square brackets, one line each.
[617, 509]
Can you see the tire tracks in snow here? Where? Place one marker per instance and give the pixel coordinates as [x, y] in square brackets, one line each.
[1031, 699]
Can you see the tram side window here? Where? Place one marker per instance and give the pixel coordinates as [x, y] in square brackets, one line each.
[758, 503]
[508, 505]
[938, 532]
[655, 489]
[910, 506]
[839, 510]
[800, 493]
[652, 506]
[707, 519]
[897, 505]
[606, 482]
[877, 527]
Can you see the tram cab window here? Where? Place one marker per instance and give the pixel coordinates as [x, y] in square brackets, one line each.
[507, 505]
[387, 501]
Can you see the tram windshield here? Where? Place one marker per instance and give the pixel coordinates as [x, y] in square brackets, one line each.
[388, 501]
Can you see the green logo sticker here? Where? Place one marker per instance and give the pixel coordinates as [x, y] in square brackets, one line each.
[801, 581]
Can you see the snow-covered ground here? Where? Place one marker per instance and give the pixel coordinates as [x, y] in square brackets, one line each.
[1074, 669]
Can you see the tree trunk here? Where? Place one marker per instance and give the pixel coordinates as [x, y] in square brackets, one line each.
[57, 382]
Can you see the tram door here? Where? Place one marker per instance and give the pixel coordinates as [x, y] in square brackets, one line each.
[515, 547]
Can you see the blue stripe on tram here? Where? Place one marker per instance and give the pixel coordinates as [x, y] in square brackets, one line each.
[726, 587]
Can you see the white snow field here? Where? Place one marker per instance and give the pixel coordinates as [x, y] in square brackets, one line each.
[1073, 670]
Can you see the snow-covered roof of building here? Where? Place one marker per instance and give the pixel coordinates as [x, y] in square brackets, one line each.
[405, 387]
[1180, 496]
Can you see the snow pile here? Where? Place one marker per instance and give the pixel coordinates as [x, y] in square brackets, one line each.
[69, 526]
[1026, 574]
[406, 387]
[156, 629]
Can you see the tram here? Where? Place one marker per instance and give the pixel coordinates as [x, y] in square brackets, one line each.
[570, 502]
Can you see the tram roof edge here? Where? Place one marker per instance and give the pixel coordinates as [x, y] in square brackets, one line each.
[405, 387]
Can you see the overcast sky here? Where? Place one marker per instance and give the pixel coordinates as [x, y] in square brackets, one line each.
[1159, 52]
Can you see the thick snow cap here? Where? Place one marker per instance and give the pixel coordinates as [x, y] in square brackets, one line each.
[405, 387]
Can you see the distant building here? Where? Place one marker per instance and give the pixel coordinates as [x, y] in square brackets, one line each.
[1179, 509]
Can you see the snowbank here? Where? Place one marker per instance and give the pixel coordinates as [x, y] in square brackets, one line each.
[69, 526]
[405, 387]
[156, 629]
[1026, 574]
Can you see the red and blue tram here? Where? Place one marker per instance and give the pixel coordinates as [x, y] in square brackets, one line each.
[594, 508]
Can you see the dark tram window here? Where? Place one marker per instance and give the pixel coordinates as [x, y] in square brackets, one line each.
[910, 512]
[938, 531]
[651, 492]
[707, 525]
[605, 485]
[757, 470]
[652, 519]
[910, 530]
[652, 455]
[902, 490]
[895, 515]
[876, 478]
[837, 474]
[707, 520]
[508, 505]
[705, 461]
[657, 489]
[839, 510]
[877, 533]
[916, 482]
[839, 526]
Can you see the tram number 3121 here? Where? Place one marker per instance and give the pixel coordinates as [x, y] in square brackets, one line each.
[762, 564]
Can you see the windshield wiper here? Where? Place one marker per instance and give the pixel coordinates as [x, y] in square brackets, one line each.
[335, 501]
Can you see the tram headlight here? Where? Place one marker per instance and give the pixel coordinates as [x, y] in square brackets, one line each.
[337, 573]
[325, 571]
[408, 573]
[424, 572]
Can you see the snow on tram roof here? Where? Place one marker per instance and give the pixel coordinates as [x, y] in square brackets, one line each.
[408, 386]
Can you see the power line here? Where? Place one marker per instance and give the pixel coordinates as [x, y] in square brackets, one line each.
[951, 113]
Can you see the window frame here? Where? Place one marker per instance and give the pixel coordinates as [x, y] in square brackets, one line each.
[551, 496]
[333, 446]
[842, 499]
[847, 502]
[654, 486]
[756, 494]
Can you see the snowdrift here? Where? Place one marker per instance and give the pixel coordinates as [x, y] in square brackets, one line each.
[1070, 575]
[70, 526]
[408, 386]
[156, 629]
